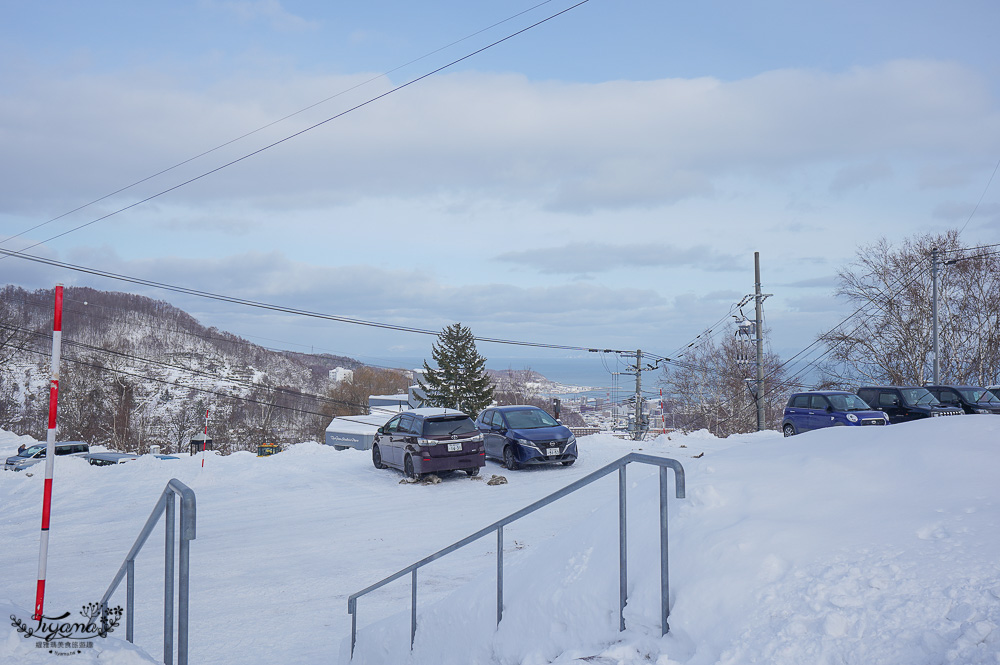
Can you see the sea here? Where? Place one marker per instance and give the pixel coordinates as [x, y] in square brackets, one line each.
[592, 373]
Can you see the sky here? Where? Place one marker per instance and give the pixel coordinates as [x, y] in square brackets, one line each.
[601, 179]
[872, 545]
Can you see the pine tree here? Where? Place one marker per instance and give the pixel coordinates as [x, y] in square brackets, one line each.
[460, 380]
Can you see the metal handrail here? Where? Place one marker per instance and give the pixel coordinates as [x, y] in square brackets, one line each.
[619, 465]
[187, 534]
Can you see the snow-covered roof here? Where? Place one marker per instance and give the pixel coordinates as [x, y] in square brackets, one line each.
[358, 424]
[435, 411]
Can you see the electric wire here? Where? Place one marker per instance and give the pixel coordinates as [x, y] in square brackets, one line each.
[272, 123]
[307, 129]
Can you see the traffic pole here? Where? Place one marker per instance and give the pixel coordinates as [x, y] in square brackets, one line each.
[204, 443]
[50, 453]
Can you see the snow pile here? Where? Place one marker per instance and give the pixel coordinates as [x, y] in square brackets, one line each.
[848, 545]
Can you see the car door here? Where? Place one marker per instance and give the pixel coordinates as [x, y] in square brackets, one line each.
[890, 402]
[485, 427]
[385, 442]
[408, 433]
[818, 415]
[797, 412]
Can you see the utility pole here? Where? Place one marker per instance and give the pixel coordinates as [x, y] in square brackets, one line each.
[935, 263]
[637, 436]
[759, 298]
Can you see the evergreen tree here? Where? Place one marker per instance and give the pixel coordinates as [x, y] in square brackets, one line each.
[460, 380]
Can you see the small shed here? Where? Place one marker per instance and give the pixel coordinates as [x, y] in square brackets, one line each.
[355, 431]
[200, 442]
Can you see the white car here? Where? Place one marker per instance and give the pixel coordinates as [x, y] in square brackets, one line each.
[36, 453]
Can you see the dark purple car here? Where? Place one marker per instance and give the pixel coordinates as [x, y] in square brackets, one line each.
[429, 441]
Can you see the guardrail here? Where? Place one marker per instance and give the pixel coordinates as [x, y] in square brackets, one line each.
[187, 533]
[662, 462]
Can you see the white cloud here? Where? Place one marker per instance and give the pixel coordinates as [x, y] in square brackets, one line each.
[270, 12]
[573, 147]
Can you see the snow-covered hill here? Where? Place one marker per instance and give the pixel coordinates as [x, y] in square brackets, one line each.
[849, 545]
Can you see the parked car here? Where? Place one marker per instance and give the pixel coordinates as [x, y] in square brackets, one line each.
[906, 403]
[525, 435]
[108, 459]
[827, 408]
[970, 399]
[36, 453]
[429, 440]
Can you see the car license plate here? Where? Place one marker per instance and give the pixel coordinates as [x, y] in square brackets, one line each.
[551, 451]
[454, 447]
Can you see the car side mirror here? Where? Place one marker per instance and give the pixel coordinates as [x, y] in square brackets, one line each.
[829, 408]
[381, 430]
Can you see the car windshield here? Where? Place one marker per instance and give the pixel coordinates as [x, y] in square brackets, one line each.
[449, 426]
[530, 419]
[31, 452]
[978, 395]
[918, 397]
[848, 403]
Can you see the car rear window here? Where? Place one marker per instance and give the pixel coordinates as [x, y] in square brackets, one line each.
[449, 426]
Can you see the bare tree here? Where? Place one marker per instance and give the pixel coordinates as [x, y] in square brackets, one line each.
[890, 339]
[712, 389]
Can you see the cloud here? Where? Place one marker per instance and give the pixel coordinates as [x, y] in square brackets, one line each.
[859, 176]
[270, 12]
[574, 148]
[588, 258]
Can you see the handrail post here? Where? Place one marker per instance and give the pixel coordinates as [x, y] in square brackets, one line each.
[168, 578]
[354, 626]
[499, 574]
[182, 601]
[622, 550]
[129, 600]
[413, 607]
[664, 565]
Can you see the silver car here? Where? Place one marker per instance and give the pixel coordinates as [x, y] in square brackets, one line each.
[36, 453]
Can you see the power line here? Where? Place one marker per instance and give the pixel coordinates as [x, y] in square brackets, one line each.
[307, 129]
[981, 196]
[279, 308]
[271, 124]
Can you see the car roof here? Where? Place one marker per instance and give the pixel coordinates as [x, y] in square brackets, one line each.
[517, 407]
[887, 387]
[953, 385]
[824, 392]
[429, 411]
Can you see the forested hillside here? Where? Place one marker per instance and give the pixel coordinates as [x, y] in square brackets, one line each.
[137, 371]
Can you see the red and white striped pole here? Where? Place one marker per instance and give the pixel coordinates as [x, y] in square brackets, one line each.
[50, 453]
[204, 443]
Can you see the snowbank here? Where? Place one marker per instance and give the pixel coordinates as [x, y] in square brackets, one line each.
[849, 545]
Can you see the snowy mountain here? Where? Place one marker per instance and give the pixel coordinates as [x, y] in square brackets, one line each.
[138, 371]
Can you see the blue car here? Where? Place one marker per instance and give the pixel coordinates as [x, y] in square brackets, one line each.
[525, 435]
[828, 408]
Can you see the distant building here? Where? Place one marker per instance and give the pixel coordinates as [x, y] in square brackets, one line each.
[340, 374]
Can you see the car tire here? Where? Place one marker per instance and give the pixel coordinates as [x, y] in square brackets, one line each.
[568, 462]
[377, 457]
[474, 471]
[509, 461]
[788, 429]
[408, 468]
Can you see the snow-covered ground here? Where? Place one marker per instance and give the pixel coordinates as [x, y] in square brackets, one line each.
[849, 545]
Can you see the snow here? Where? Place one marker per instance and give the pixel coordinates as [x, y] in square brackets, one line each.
[872, 545]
